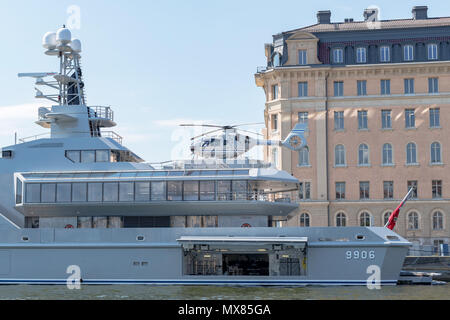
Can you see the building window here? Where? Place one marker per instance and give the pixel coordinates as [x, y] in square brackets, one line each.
[385, 87]
[338, 88]
[304, 190]
[339, 120]
[388, 189]
[410, 118]
[434, 118]
[411, 153]
[362, 87]
[303, 117]
[338, 55]
[340, 190]
[413, 220]
[432, 51]
[365, 219]
[275, 92]
[276, 60]
[386, 216]
[409, 86]
[341, 220]
[364, 190]
[361, 55]
[408, 53]
[303, 89]
[302, 57]
[437, 246]
[304, 220]
[433, 85]
[274, 122]
[386, 120]
[413, 184]
[385, 54]
[387, 154]
[438, 220]
[303, 157]
[436, 189]
[362, 120]
[436, 153]
[339, 155]
[275, 157]
[363, 155]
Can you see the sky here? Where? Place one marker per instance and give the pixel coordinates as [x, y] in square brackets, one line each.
[160, 63]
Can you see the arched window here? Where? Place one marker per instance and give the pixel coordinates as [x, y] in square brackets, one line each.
[438, 220]
[386, 217]
[387, 154]
[303, 157]
[363, 154]
[341, 220]
[436, 152]
[365, 219]
[411, 153]
[413, 220]
[339, 155]
[304, 220]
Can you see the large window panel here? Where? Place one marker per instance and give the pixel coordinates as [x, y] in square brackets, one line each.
[88, 156]
[102, 156]
[95, 190]
[142, 190]
[33, 192]
[73, 155]
[223, 190]
[158, 190]
[48, 192]
[79, 192]
[239, 188]
[126, 191]
[63, 191]
[174, 190]
[191, 190]
[207, 190]
[111, 191]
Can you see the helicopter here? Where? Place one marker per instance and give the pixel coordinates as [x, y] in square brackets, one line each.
[230, 143]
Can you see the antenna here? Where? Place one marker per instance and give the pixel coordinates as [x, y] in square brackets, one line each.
[68, 81]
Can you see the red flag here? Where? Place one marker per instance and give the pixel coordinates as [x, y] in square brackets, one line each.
[394, 215]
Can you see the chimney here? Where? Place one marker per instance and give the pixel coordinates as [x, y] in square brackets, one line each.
[324, 17]
[371, 14]
[420, 12]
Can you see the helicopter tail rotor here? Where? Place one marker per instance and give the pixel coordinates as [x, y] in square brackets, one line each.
[296, 138]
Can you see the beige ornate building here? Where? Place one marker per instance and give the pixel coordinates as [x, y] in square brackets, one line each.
[376, 97]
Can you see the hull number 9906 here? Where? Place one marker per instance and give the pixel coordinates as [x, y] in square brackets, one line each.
[359, 255]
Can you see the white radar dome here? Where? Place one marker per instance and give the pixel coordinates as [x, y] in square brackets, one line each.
[76, 45]
[63, 36]
[49, 40]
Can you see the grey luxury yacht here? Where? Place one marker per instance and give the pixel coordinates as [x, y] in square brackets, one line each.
[78, 197]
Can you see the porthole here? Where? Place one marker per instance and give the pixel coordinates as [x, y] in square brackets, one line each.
[140, 238]
[360, 237]
[25, 238]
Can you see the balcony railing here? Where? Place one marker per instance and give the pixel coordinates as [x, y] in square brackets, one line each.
[101, 112]
[108, 134]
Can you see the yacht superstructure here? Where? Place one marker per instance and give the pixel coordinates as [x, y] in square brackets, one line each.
[80, 197]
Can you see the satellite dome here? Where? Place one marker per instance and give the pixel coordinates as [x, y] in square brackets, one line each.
[63, 36]
[49, 40]
[76, 45]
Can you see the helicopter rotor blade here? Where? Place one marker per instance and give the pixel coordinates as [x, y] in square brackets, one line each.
[246, 124]
[201, 125]
[204, 134]
[259, 134]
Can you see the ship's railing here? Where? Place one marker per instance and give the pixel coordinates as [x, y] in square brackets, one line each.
[210, 164]
[101, 112]
[108, 134]
[35, 137]
[103, 134]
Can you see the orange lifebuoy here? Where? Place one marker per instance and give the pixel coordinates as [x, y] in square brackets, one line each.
[68, 226]
[246, 225]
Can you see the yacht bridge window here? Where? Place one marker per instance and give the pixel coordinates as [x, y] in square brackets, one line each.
[89, 156]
